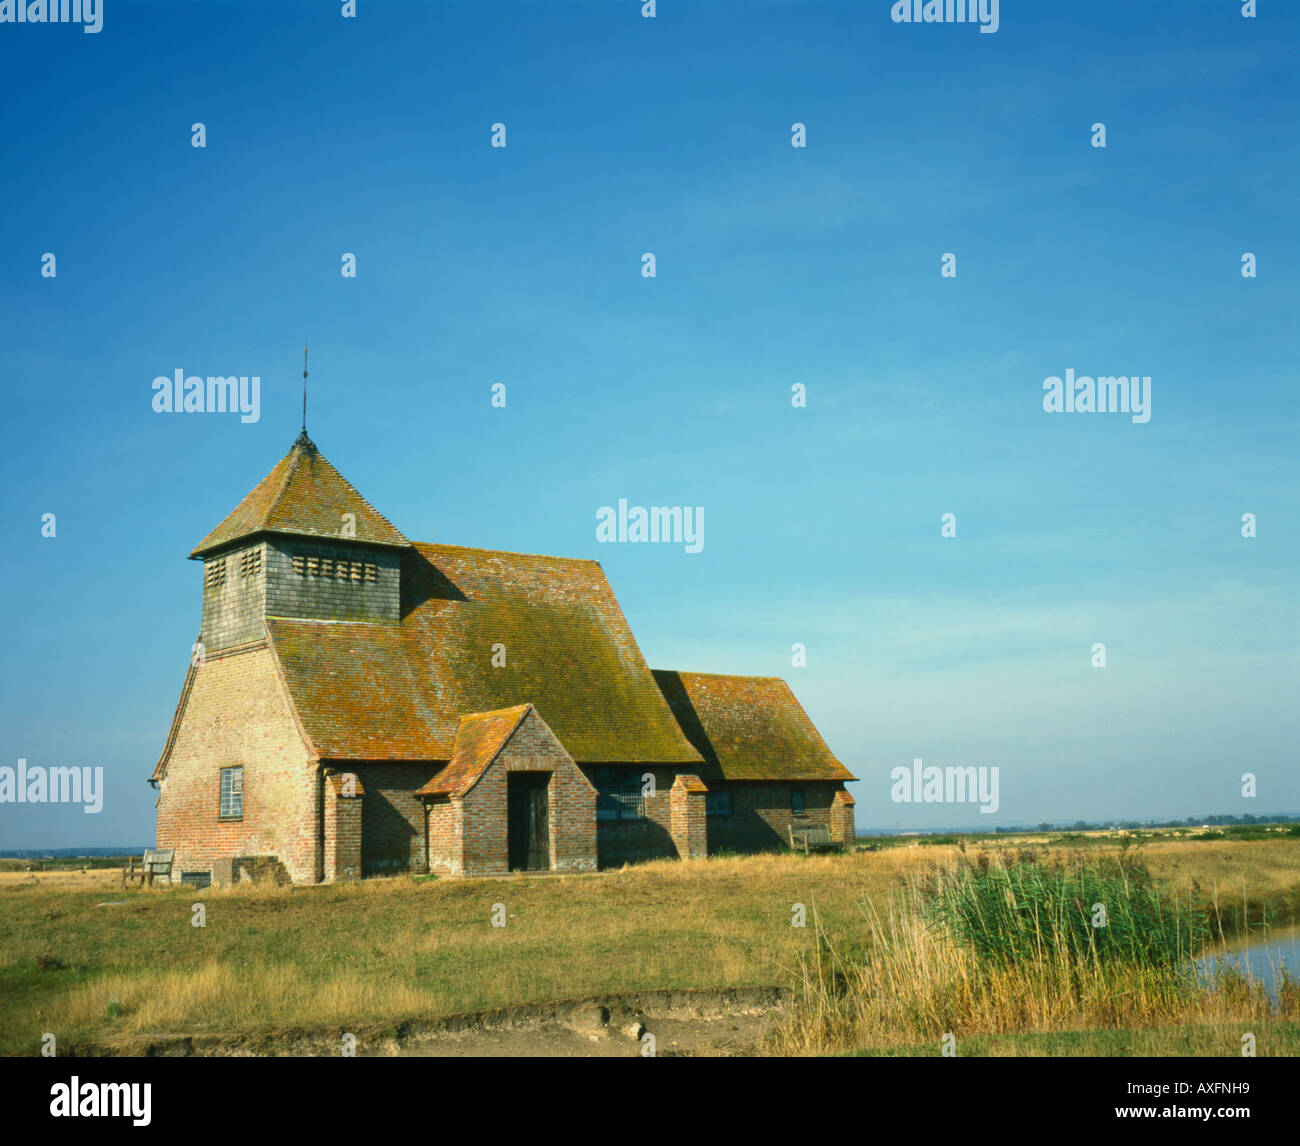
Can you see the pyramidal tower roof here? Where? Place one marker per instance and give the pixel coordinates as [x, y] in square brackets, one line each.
[306, 496]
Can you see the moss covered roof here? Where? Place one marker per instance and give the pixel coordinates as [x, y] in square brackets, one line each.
[303, 495]
[375, 691]
[748, 727]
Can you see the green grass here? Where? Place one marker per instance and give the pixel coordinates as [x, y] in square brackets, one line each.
[1099, 909]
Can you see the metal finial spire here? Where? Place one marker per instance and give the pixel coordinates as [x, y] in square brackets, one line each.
[304, 391]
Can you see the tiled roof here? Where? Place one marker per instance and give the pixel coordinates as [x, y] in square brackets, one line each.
[749, 727]
[305, 495]
[375, 691]
[478, 740]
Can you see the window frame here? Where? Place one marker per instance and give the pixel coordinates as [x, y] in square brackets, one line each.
[617, 801]
[235, 792]
[798, 802]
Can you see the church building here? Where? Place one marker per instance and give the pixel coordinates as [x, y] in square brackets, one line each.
[360, 704]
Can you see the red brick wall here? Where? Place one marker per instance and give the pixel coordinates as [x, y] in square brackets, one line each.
[238, 714]
[629, 841]
[446, 844]
[689, 827]
[342, 828]
[761, 815]
[842, 825]
[392, 816]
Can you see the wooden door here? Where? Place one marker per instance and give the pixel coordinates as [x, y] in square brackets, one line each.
[528, 821]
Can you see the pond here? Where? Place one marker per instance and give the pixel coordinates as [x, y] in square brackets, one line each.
[1259, 957]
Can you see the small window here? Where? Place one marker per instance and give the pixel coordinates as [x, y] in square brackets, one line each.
[327, 566]
[372, 571]
[618, 795]
[300, 564]
[250, 563]
[796, 799]
[718, 803]
[232, 793]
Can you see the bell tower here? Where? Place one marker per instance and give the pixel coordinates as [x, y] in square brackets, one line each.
[303, 543]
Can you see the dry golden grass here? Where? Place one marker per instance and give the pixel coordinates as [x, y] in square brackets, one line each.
[399, 948]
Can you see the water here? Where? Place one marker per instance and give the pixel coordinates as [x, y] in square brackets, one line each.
[1261, 957]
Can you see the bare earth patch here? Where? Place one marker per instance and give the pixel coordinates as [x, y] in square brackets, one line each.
[723, 1023]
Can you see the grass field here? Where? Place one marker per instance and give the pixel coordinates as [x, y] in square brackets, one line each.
[78, 962]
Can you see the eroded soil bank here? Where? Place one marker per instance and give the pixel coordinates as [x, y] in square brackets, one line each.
[724, 1022]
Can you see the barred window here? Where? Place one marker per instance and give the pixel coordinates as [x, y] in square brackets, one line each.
[372, 571]
[214, 573]
[232, 793]
[250, 563]
[718, 803]
[300, 564]
[327, 566]
[618, 795]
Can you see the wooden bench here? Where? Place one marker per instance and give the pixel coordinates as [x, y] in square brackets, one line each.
[155, 864]
[812, 838]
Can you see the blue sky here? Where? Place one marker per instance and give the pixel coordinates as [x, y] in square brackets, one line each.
[775, 265]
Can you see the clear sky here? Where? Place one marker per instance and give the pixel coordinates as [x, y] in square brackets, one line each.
[775, 265]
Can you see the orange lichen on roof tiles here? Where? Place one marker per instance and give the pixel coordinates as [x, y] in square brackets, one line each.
[478, 740]
[303, 495]
[749, 727]
[377, 691]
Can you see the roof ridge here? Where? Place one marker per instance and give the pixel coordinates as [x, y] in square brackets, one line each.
[726, 675]
[505, 552]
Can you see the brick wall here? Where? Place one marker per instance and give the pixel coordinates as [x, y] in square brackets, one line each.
[344, 796]
[761, 814]
[689, 828]
[392, 816]
[446, 843]
[842, 825]
[237, 713]
[628, 841]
